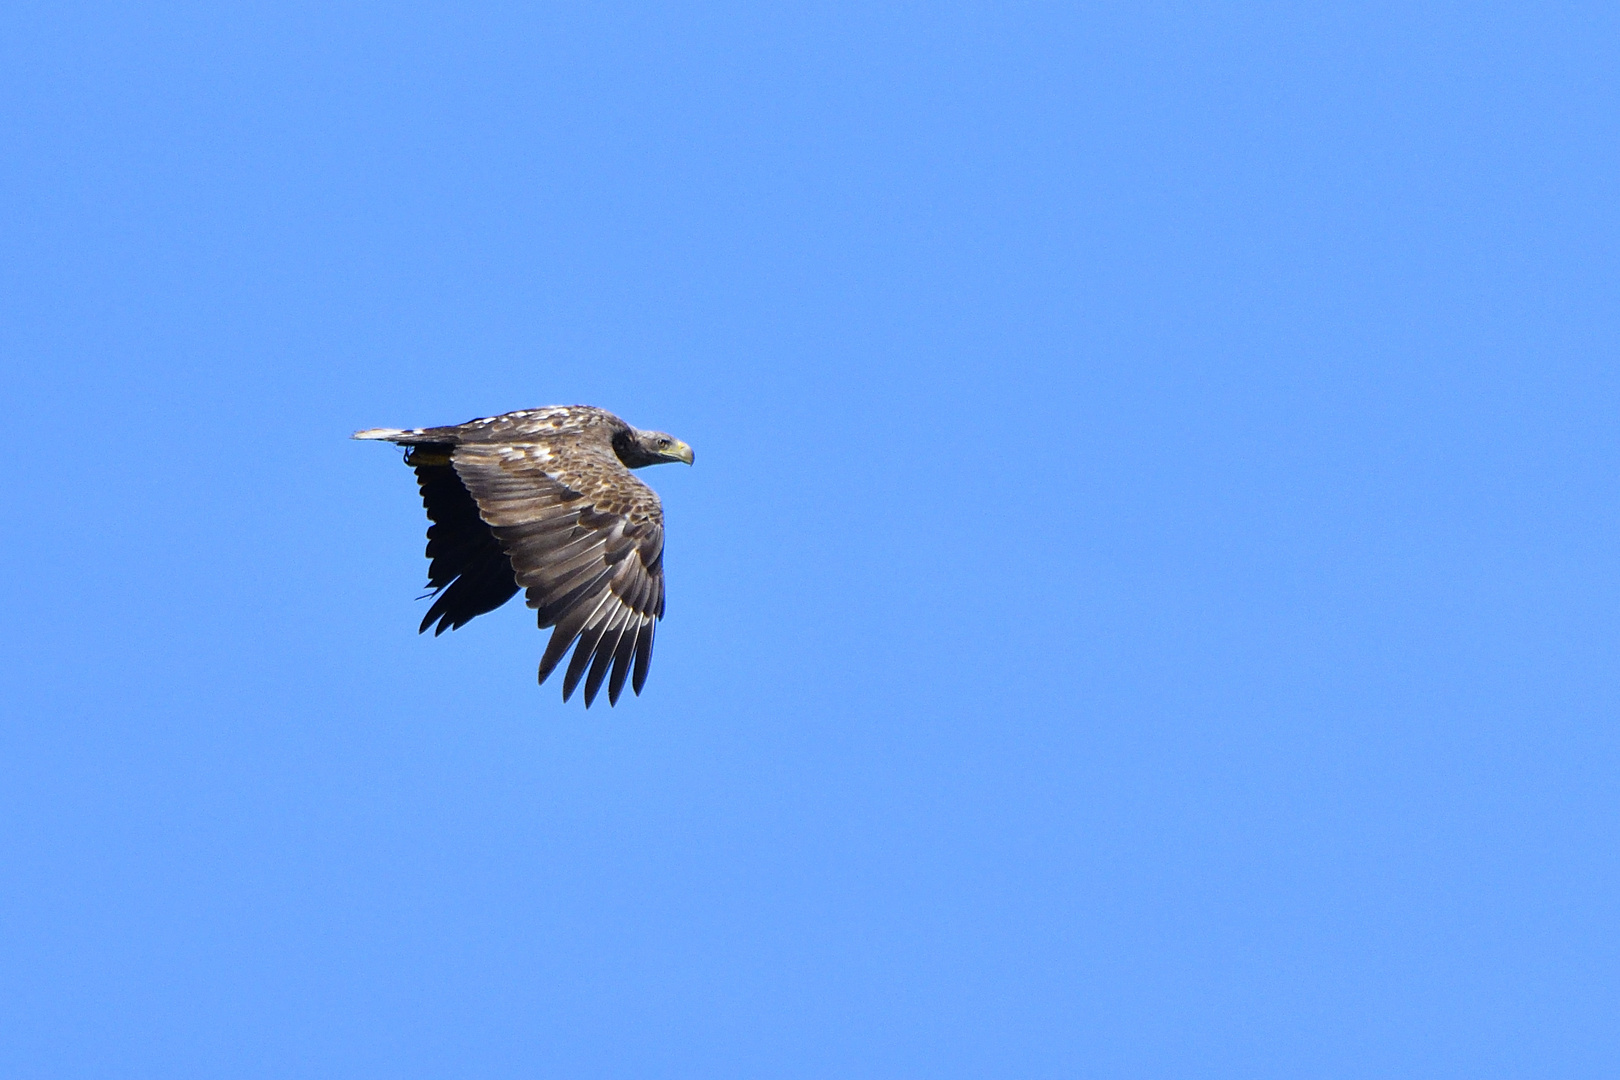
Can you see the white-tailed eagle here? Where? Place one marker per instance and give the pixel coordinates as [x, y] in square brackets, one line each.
[543, 500]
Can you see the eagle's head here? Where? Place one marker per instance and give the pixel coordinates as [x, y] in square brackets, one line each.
[640, 448]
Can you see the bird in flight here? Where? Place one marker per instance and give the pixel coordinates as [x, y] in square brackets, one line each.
[543, 500]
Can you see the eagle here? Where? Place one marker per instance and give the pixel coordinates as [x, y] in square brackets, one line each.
[544, 500]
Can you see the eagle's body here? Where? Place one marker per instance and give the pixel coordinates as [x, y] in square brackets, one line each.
[544, 500]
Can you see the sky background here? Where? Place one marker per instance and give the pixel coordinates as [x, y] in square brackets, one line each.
[1145, 604]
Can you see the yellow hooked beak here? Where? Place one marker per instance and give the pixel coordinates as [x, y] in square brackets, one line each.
[680, 452]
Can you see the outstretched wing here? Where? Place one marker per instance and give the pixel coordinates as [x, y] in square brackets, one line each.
[586, 542]
[468, 570]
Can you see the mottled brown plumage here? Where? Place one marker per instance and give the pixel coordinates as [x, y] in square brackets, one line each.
[544, 500]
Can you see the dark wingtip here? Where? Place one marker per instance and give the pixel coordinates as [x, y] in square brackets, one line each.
[643, 657]
[599, 668]
[571, 678]
[556, 649]
[583, 651]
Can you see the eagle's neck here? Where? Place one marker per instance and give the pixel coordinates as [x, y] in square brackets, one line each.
[629, 450]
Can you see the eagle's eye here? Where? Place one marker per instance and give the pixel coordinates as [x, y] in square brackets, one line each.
[663, 442]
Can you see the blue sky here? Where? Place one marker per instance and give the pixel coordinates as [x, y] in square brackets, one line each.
[1144, 605]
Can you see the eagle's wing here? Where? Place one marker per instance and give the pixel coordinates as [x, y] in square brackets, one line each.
[586, 542]
[468, 571]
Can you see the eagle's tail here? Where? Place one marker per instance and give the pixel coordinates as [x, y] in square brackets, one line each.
[398, 435]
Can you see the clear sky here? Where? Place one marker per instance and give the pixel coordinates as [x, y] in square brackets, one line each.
[1144, 606]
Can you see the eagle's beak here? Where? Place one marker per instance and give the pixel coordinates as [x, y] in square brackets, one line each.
[680, 452]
